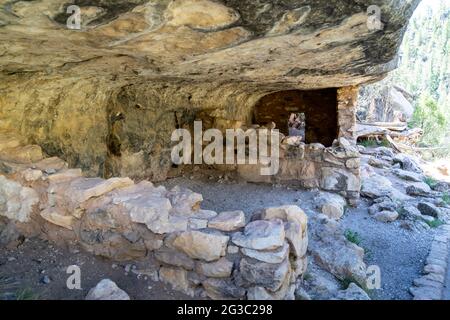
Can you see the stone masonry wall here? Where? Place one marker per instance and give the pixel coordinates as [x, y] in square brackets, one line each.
[335, 169]
[200, 252]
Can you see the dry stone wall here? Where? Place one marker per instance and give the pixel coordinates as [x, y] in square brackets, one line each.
[311, 166]
[199, 252]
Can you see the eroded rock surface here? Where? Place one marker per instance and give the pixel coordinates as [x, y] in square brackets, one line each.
[108, 96]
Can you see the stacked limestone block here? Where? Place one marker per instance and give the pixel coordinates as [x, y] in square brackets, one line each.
[335, 169]
[199, 252]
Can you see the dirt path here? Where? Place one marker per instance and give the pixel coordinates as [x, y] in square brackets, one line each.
[24, 271]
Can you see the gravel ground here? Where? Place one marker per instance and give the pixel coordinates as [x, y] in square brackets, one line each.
[38, 270]
[399, 253]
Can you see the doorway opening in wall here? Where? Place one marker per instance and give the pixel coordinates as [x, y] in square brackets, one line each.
[311, 114]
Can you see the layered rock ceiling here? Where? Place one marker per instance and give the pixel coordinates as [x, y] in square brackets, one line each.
[293, 43]
[152, 59]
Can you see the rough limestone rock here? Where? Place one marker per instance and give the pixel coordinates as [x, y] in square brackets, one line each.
[261, 235]
[330, 204]
[228, 221]
[201, 245]
[220, 289]
[148, 205]
[108, 96]
[429, 209]
[408, 175]
[333, 252]
[16, 202]
[288, 213]
[384, 210]
[184, 201]
[334, 179]
[320, 285]
[268, 275]
[375, 186]
[378, 163]
[386, 216]
[177, 278]
[418, 189]
[174, 258]
[408, 163]
[274, 256]
[107, 290]
[218, 269]
[353, 292]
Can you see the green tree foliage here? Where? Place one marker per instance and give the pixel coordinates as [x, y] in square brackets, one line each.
[429, 117]
[424, 72]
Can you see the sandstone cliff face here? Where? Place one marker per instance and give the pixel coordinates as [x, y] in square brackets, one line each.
[107, 97]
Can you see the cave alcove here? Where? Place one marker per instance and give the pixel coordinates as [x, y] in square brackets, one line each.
[318, 106]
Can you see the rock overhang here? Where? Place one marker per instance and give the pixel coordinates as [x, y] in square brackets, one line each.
[298, 44]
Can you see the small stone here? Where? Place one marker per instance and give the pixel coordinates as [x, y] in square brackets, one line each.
[408, 175]
[267, 275]
[221, 289]
[330, 204]
[384, 151]
[52, 216]
[219, 269]
[45, 279]
[418, 189]
[198, 224]
[184, 202]
[294, 236]
[228, 221]
[261, 235]
[201, 245]
[276, 256]
[301, 294]
[386, 216]
[353, 292]
[177, 278]
[31, 175]
[205, 214]
[407, 163]
[174, 258]
[107, 290]
[288, 213]
[378, 163]
[429, 209]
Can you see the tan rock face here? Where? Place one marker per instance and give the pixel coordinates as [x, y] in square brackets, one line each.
[107, 97]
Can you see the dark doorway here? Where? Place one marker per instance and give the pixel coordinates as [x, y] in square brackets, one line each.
[319, 108]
